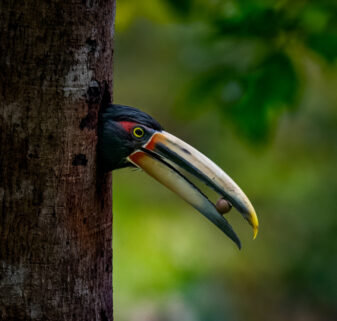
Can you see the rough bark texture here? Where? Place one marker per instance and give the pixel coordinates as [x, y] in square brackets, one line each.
[55, 206]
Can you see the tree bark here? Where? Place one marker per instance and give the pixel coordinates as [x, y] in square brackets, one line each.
[55, 205]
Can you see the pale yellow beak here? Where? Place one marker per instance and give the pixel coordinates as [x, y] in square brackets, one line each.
[164, 155]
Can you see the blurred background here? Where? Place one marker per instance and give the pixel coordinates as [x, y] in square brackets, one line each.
[253, 85]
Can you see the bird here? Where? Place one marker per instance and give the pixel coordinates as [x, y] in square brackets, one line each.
[129, 137]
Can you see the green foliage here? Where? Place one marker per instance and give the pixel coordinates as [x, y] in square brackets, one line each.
[325, 44]
[256, 95]
[181, 7]
[252, 99]
[267, 90]
[219, 74]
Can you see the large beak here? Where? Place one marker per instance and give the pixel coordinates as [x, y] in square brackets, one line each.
[162, 157]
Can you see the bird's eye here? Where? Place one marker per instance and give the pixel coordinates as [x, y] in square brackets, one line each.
[138, 132]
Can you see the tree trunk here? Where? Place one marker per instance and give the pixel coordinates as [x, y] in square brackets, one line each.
[55, 206]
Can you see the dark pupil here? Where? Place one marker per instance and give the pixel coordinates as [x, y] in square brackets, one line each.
[139, 132]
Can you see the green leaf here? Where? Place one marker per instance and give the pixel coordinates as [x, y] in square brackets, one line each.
[181, 7]
[252, 100]
[325, 44]
[269, 89]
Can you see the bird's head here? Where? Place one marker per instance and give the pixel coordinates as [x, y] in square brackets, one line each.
[130, 137]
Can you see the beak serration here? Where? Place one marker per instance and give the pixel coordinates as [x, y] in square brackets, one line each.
[164, 149]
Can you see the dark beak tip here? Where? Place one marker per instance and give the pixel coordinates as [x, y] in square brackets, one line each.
[238, 243]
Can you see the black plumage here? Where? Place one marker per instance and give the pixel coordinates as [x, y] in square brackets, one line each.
[130, 137]
[114, 142]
